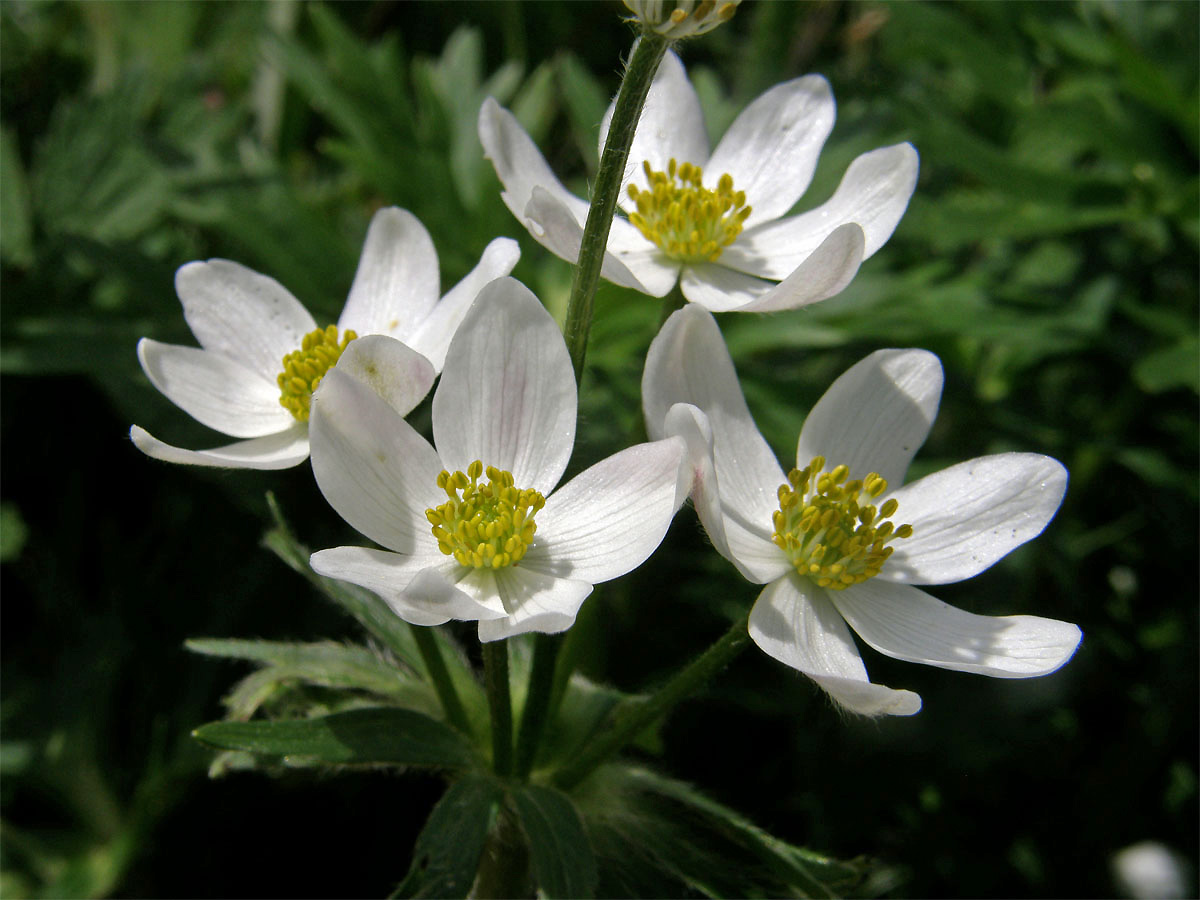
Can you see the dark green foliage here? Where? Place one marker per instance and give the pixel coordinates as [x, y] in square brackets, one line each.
[1049, 257]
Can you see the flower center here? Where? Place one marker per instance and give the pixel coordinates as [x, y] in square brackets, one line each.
[830, 530]
[687, 221]
[490, 526]
[303, 369]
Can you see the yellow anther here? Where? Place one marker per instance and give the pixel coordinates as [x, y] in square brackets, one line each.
[303, 369]
[832, 533]
[688, 221]
[490, 525]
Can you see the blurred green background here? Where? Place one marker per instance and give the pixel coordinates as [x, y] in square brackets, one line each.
[1049, 257]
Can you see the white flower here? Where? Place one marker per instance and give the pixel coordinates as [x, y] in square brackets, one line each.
[717, 221]
[682, 18]
[262, 351]
[792, 532]
[510, 552]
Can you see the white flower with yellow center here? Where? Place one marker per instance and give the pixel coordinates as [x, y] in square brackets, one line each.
[474, 527]
[717, 222]
[841, 539]
[263, 354]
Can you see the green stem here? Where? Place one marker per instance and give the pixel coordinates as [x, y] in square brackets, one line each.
[495, 673]
[672, 302]
[632, 716]
[427, 645]
[647, 54]
[537, 701]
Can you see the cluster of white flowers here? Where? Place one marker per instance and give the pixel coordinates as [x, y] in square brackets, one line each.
[474, 524]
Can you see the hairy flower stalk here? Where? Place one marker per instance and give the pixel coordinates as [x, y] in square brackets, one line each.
[639, 75]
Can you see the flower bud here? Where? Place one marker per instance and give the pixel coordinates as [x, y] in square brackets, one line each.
[683, 18]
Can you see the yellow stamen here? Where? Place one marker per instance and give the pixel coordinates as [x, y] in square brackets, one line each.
[490, 526]
[828, 527]
[688, 221]
[303, 369]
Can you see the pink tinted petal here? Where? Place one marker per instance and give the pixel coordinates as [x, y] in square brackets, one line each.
[906, 623]
[796, 624]
[273, 451]
[507, 394]
[771, 149]
[244, 316]
[215, 390]
[875, 416]
[396, 284]
[968, 516]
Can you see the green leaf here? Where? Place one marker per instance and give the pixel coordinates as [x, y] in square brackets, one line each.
[13, 532]
[326, 663]
[1177, 365]
[446, 855]
[360, 736]
[16, 244]
[563, 863]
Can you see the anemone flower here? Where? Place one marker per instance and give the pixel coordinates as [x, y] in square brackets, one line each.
[261, 353]
[840, 539]
[717, 222]
[507, 550]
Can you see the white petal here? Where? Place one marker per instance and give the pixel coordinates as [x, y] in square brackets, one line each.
[771, 149]
[671, 126]
[873, 194]
[396, 284]
[394, 371]
[388, 575]
[273, 451]
[796, 624]
[214, 390]
[539, 602]
[242, 315]
[609, 518]
[698, 475]
[519, 164]
[643, 269]
[905, 623]
[373, 468]
[876, 415]
[507, 394]
[432, 337]
[824, 274]
[968, 516]
[720, 289]
[754, 553]
[689, 363]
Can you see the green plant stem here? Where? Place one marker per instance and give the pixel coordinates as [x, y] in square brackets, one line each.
[440, 676]
[647, 54]
[495, 674]
[537, 701]
[631, 717]
[670, 303]
[639, 74]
